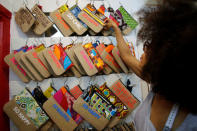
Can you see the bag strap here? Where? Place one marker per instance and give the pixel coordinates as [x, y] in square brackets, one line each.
[169, 123]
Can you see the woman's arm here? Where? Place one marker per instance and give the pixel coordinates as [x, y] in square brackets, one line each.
[124, 50]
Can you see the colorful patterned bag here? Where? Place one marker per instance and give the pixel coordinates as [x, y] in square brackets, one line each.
[58, 20]
[76, 25]
[122, 110]
[31, 108]
[98, 103]
[128, 19]
[94, 56]
[66, 101]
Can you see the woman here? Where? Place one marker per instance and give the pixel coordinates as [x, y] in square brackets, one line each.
[169, 33]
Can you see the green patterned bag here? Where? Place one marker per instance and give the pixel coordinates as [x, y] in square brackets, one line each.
[128, 19]
[31, 108]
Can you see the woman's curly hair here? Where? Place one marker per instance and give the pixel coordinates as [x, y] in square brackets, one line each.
[170, 34]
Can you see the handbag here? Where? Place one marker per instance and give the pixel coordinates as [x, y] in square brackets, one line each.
[58, 20]
[24, 19]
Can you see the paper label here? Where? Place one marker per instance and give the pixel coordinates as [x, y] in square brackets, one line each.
[21, 116]
[91, 111]
[61, 21]
[60, 112]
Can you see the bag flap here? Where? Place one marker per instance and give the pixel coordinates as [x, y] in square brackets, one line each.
[30, 67]
[75, 72]
[70, 52]
[18, 116]
[32, 56]
[13, 64]
[90, 115]
[124, 95]
[110, 61]
[93, 24]
[42, 22]
[100, 48]
[58, 115]
[74, 22]
[24, 19]
[61, 24]
[41, 57]
[85, 61]
[18, 57]
[94, 56]
[26, 102]
[116, 55]
[53, 62]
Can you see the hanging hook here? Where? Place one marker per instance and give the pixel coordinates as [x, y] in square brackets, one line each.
[75, 39]
[37, 40]
[26, 41]
[53, 84]
[79, 80]
[92, 80]
[26, 85]
[93, 2]
[53, 41]
[65, 82]
[25, 3]
[38, 2]
[89, 82]
[37, 84]
[60, 40]
[120, 4]
[44, 41]
[103, 77]
[76, 1]
[67, 3]
[67, 87]
[85, 38]
[108, 3]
